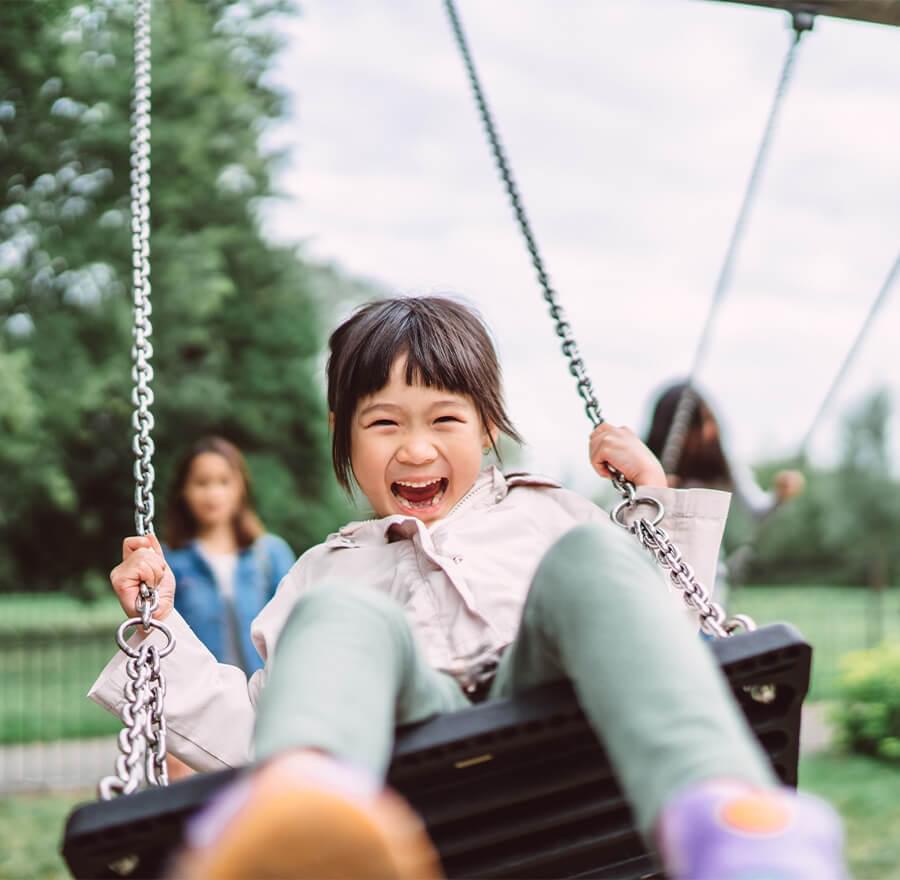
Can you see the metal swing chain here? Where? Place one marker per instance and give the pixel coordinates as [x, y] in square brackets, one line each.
[652, 536]
[687, 402]
[142, 741]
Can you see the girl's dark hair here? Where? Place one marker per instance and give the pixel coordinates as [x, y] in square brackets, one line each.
[703, 461]
[181, 526]
[446, 346]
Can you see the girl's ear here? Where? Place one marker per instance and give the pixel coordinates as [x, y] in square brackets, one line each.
[489, 438]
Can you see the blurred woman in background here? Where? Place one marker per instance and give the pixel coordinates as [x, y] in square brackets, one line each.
[226, 565]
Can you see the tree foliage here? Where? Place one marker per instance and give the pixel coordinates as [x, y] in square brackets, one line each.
[844, 528]
[237, 324]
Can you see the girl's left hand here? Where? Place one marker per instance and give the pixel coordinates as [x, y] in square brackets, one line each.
[623, 449]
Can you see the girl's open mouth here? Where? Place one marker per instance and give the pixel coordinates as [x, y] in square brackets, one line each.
[420, 494]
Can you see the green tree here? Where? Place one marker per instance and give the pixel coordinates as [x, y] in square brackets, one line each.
[865, 522]
[237, 322]
[843, 528]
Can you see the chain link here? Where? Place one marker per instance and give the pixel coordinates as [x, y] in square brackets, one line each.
[648, 532]
[142, 350]
[712, 616]
[563, 327]
[142, 740]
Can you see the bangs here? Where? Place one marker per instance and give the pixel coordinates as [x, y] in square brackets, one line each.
[436, 357]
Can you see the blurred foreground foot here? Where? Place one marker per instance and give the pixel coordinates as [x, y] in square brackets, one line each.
[720, 831]
[307, 816]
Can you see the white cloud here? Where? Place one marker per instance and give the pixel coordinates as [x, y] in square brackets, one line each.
[632, 128]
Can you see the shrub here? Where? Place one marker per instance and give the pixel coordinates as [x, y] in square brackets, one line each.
[868, 715]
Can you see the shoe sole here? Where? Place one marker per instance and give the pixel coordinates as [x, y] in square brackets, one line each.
[314, 834]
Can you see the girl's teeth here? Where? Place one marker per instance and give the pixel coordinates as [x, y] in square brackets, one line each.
[422, 505]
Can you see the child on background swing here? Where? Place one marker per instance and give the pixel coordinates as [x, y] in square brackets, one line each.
[703, 462]
[463, 567]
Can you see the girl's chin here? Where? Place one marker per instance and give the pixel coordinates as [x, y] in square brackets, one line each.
[428, 518]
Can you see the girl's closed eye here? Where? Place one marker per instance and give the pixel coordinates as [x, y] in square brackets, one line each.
[383, 423]
[446, 419]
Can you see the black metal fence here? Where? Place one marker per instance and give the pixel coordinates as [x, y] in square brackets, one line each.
[48, 726]
[44, 679]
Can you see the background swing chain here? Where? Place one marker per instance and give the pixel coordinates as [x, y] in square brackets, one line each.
[687, 402]
[142, 741]
[712, 615]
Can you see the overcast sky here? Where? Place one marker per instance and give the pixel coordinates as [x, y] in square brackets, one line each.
[631, 126]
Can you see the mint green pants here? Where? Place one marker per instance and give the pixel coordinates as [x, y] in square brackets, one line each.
[347, 671]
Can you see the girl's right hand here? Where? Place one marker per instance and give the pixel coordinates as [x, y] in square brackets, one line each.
[143, 560]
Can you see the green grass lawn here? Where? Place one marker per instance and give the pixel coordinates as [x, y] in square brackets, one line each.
[31, 828]
[867, 794]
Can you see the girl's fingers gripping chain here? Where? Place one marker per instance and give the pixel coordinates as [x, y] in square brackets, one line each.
[143, 561]
[607, 446]
[623, 449]
[150, 566]
[138, 542]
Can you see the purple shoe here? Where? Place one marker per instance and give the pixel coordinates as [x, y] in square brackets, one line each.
[724, 831]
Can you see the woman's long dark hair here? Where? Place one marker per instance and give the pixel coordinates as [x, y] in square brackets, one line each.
[181, 525]
[701, 461]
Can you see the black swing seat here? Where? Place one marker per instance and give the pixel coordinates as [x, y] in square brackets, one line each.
[510, 788]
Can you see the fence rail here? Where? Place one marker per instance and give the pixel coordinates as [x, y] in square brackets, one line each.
[44, 679]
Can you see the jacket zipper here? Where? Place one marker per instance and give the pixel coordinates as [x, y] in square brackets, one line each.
[472, 492]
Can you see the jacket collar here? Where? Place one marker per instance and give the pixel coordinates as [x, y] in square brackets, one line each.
[489, 489]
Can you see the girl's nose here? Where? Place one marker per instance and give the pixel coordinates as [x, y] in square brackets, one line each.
[416, 451]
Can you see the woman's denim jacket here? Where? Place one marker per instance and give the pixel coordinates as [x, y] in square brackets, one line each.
[198, 599]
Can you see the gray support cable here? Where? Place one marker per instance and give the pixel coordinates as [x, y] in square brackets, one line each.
[684, 412]
[851, 356]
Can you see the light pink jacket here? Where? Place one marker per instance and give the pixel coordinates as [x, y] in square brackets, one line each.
[463, 583]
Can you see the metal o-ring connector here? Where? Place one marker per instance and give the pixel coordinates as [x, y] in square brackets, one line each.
[618, 513]
[154, 624]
